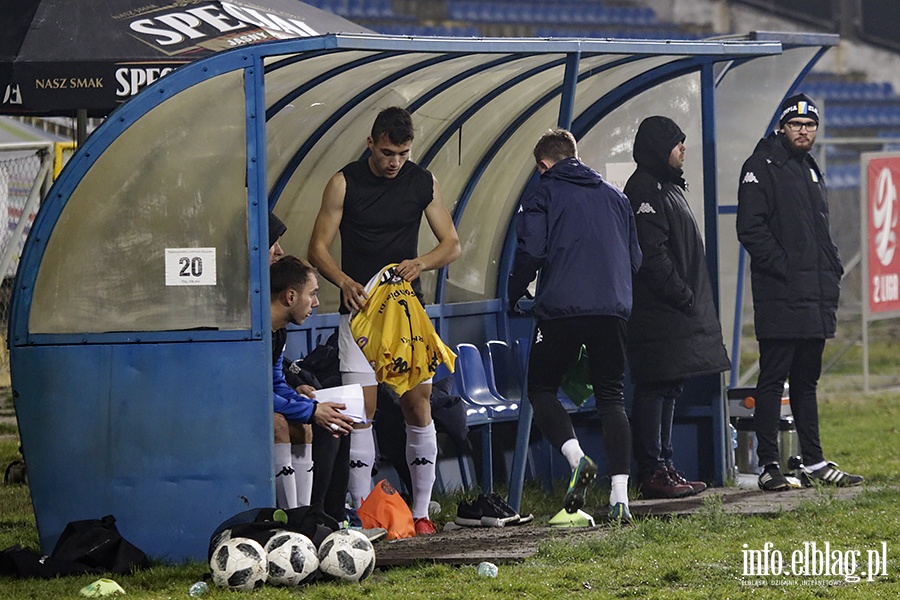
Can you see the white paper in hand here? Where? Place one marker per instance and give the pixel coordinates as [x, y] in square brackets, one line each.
[351, 395]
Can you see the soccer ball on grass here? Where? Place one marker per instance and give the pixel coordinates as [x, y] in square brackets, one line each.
[239, 564]
[347, 554]
[292, 558]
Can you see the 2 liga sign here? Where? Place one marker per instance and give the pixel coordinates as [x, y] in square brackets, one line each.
[881, 233]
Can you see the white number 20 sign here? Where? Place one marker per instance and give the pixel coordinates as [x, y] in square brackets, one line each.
[190, 266]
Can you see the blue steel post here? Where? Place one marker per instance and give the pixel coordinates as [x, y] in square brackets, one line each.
[719, 412]
[257, 211]
[567, 99]
[738, 312]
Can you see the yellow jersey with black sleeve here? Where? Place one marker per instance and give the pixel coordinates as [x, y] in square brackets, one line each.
[395, 334]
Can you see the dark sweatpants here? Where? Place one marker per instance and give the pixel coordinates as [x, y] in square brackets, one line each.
[799, 362]
[554, 350]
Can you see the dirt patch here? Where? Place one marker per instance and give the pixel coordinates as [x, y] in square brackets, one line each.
[468, 546]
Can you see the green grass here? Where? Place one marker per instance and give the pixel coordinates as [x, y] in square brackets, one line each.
[690, 557]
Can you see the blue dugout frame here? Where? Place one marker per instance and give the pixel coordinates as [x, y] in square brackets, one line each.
[153, 504]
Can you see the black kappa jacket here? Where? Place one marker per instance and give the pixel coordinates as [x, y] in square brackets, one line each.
[674, 329]
[782, 222]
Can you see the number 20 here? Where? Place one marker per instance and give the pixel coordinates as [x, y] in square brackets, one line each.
[190, 267]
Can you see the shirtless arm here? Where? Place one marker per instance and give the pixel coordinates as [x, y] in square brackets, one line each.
[445, 252]
[328, 222]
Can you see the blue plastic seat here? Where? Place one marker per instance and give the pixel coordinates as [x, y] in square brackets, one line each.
[506, 378]
[483, 407]
[521, 348]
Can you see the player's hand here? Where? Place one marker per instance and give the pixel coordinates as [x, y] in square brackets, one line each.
[355, 295]
[328, 416]
[409, 269]
[306, 390]
[523, 306]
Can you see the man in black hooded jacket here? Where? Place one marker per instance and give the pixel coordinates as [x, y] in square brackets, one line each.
[795, 271]
[674, 331]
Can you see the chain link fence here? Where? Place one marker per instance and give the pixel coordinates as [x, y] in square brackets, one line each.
[26, 172]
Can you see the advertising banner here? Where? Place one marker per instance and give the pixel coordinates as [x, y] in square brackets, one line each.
[881, 235]
[58, 56]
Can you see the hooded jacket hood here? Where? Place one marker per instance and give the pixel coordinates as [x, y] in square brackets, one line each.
[656, 136]
[573, 171]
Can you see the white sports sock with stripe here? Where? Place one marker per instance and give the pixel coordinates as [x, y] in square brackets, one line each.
[421, 456]
[362, 459]
[285, 482]
[302, 462]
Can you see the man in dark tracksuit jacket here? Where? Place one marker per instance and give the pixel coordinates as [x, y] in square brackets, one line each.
[782, 222]
[579, 231]
[674, 331]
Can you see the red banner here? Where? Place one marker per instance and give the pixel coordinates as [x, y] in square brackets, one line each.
[883, 232]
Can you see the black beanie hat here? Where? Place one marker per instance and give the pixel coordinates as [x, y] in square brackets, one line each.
[799, 105]
[276, 229]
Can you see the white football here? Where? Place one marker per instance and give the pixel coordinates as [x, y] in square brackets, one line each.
[347, 554]
[239, 564]
[292, 558]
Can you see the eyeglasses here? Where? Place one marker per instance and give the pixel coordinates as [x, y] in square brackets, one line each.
[798, 125]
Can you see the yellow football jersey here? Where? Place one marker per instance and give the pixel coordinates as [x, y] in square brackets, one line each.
[395, 334]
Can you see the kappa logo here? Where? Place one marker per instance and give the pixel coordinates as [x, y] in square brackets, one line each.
[357, 464]
[645, 209]
[421, 461]
[12, 95]
[538, 337]
[749, 177]
[288, 470]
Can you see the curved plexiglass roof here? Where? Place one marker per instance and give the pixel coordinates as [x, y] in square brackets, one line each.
[178, 166]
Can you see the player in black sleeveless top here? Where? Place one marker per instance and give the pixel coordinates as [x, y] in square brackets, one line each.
[381, 219]
[377, 204]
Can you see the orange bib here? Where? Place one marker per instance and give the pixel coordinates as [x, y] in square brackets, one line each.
[384, 507]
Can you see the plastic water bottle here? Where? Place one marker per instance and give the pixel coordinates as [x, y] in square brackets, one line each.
[734, 447]
[198, 589]
[487, 569]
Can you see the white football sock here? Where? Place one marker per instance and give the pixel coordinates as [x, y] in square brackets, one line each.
[421, 456]
[301, 461]
[362, 459]
[571, 449]
[619, 493]
[816, 466]
[285, 482]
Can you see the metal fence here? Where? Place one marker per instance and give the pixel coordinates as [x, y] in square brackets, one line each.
[26, 172]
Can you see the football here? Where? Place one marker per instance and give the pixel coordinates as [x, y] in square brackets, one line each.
[239, 564]
[292, 558]
[347, 554]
